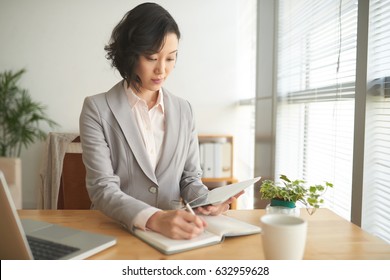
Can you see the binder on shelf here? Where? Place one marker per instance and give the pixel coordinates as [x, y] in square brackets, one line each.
[208, 160]
[216, 156]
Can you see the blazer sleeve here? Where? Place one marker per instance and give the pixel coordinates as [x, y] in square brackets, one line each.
[191, 183]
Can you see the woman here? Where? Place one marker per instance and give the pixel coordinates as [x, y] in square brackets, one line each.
[140, 146]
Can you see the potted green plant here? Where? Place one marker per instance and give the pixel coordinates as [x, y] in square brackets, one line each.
[20, 119]
[20, 116]
[289, 192]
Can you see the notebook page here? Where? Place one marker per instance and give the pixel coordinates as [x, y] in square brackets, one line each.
[167, 245]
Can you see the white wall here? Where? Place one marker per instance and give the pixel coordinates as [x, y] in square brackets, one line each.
[60, 43]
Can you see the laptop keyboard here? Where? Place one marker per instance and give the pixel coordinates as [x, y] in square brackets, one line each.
[47, 250]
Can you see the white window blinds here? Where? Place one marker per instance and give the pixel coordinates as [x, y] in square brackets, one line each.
[315, 87]
[376, 187]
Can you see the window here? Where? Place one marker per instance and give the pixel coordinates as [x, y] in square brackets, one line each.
[316, 56]
[376, 185]
[316, 93]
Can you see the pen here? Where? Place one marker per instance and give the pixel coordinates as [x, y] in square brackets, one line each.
[188, 207]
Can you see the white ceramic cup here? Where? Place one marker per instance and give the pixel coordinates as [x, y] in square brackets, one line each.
[284, 236]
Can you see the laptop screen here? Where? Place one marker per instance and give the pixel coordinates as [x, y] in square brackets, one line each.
[13, 241]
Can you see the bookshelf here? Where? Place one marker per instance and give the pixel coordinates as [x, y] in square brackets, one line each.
[216, 160]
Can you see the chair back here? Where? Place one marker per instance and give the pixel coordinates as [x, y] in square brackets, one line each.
[73, 192]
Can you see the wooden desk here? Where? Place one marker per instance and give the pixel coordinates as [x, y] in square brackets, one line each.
[329, 238]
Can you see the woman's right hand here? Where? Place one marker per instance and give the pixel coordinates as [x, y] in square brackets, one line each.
[176, 224]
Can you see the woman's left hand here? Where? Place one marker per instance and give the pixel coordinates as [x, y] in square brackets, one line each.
[215, 210]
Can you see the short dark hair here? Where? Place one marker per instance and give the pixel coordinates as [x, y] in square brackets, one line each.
[140, 32]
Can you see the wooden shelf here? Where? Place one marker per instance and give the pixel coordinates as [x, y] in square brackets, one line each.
[230, 180]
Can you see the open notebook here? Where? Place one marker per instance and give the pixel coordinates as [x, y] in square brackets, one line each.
[30, 239]
[218, 228]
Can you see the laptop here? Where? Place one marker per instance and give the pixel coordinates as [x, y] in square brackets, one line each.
[221, 194]
[30, 239]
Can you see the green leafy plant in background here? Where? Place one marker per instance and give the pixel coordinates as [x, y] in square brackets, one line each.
[20, 116]
[294, 191]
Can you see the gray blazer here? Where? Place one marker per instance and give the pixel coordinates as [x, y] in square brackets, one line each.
[120, 179]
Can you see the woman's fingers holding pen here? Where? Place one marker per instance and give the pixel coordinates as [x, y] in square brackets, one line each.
[193, 225]
[186, 225]
[176, 224]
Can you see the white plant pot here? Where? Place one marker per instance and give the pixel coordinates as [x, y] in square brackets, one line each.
[282, 207]
[283, 210]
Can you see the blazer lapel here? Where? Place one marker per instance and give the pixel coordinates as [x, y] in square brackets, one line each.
[119, 105]
[171, 135]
